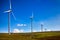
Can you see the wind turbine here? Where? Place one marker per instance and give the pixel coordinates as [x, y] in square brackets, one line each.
[31, 18]
[41, 27]
[9, 11]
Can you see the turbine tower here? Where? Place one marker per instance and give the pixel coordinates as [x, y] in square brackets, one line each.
[9, 11]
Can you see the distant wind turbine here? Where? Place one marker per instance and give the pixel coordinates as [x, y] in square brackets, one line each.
[41, 27]
[31, 18]
[9, 12]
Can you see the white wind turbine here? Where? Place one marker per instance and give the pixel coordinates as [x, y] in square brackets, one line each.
[9, 11]
[42, 24]
[31, 18]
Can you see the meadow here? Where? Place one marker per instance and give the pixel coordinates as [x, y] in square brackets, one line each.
[52, 35]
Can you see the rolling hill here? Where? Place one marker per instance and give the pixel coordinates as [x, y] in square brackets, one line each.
[53, 35]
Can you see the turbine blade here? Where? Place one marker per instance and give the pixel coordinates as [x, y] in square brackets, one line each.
[13, 15]
[10, 4]
[32, 15]
[5, 11]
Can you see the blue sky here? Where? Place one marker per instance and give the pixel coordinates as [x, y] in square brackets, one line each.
[45, 11]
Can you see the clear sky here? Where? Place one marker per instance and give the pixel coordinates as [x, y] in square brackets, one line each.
[44, 11]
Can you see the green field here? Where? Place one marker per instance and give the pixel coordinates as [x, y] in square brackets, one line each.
[31, 36]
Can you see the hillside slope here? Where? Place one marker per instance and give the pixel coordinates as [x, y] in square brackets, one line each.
[31, 36]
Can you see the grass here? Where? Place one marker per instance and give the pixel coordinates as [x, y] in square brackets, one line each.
[31, 36]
